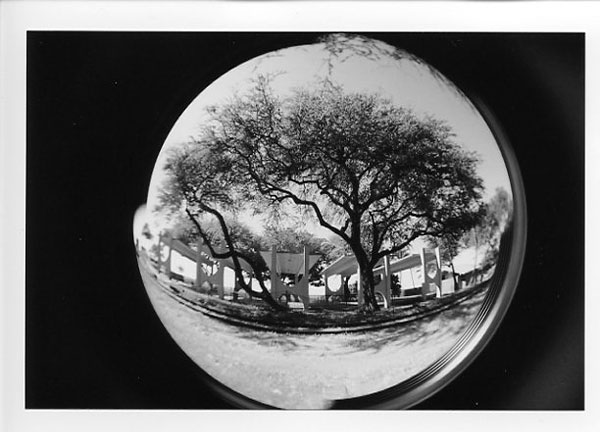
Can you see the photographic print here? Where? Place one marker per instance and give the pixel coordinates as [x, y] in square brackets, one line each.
[305, 221]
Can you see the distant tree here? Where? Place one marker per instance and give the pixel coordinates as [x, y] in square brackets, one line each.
[485, 236]
[372, 173]
[155, 252]
[396, 285]
[183, 229]
[498, 215]
[242, 237]
[289, 239]
[146, 231]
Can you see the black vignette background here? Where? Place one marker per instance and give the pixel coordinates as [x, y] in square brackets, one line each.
[99, 106]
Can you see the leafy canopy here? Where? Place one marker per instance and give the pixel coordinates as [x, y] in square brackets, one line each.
[371, 172]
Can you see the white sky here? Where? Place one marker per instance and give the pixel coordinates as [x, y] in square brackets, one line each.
[404, 81]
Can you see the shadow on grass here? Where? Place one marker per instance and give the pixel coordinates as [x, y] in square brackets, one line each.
[450, 323]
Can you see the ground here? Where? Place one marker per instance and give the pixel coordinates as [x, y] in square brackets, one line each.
[305, 371]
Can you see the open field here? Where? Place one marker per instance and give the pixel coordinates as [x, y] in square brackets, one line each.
[305, 371]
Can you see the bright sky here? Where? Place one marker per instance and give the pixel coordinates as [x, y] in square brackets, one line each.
[405, 81]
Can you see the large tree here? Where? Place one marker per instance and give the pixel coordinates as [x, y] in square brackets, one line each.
[373, 173]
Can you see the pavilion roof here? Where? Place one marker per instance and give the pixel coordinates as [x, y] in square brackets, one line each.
[290, 263]
[347, 265]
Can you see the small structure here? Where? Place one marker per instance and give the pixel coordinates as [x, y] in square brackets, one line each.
[209, 271]
[296, 265]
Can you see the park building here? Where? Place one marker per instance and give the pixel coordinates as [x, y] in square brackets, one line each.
[398, 280]
[414, 277]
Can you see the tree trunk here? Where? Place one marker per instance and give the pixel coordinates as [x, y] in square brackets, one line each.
[236, 293]
[346, 289]
[474, 275]
[367, 280]
[456, 287]
[235, 258]
[268, 298]
[264, 295]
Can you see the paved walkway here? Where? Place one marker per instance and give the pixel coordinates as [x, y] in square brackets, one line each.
[309, 371]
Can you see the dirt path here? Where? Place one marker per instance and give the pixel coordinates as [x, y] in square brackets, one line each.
[309, 371]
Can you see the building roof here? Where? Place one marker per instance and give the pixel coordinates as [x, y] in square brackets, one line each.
[347, 265]
[290, 263]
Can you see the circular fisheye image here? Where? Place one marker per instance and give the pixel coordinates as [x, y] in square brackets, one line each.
[327, 223]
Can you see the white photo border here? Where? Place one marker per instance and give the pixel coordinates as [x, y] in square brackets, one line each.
[17, 17]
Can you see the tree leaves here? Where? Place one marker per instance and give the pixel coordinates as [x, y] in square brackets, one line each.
[371, 172]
